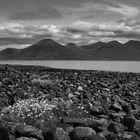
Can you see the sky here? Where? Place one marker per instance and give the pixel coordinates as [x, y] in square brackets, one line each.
[24, 22]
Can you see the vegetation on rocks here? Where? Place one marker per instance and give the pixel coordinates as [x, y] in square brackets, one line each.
[43, 103]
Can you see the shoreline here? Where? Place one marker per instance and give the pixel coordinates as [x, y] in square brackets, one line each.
[48, 100]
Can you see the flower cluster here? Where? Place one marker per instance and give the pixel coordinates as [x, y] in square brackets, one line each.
[36, 109]
[29, 108]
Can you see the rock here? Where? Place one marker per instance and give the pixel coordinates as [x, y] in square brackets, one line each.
[89, 122]
[98, 137]
[12, 137]
[137, 124]
[25, 138]
[112, 136]
[116, 107]
[56, 134]
[80, 133]
[129, 122]
[126, 108]
[28, 131]
[130, 136]
[70, 95]
[97, 111]
[69, 129]
[80, 88]
[4, 134]
[115, 127]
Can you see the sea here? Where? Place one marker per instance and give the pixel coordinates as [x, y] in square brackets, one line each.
[121, 66]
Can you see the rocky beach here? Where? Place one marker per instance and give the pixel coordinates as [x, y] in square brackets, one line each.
[41, 103]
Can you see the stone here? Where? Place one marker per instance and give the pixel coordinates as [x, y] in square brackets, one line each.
[116, 107]
[80, 88]
[80, 133]
[129, 122]
[130, 136]
[25, 138]
[112, 136]
[56, 134]
[115, 127]
[28, 131]
[4, 134]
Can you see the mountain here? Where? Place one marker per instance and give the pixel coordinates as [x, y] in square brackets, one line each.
[92, 47]
[114, 50]
[74, 46]
[9, 53]
[133, 44]
[71, 45]
[48, 49]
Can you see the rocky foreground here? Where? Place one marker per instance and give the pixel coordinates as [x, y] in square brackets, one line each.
[40, 103]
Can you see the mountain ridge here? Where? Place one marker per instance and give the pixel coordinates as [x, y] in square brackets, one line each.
[48, 49]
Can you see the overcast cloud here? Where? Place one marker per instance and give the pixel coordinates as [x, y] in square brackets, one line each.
[23, 22]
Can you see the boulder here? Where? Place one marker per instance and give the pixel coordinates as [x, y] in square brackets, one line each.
[87, 133]
[80, 133]
[130, 136]
[28, 131]
[56, 134]
[89, 122]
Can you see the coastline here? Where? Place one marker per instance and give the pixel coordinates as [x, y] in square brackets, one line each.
[46, 99]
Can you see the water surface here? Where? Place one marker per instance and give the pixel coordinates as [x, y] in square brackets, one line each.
[123, 66]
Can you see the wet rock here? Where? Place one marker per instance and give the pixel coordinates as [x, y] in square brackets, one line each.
[28, 131]
[56, 134]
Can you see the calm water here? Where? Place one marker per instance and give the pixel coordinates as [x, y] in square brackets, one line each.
[123, 66]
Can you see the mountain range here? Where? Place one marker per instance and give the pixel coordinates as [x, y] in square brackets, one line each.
[48, 49]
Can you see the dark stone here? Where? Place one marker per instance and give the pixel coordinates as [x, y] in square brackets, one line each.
[130, 136]
[115, 127]
[116, 107]
[56, 134]
[129, 122]
[80, 133]
[28, 131]
[4, 134]
[112, 136]
[97, 125]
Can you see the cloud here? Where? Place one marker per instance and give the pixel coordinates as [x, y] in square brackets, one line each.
[126, 10]
[79, 27]
[80, 32]
[41, 13]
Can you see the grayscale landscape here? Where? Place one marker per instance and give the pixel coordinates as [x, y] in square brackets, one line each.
[69, 70]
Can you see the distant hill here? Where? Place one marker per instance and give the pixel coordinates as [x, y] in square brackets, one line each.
[133, 44]
[117, 51]
[48, 49]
